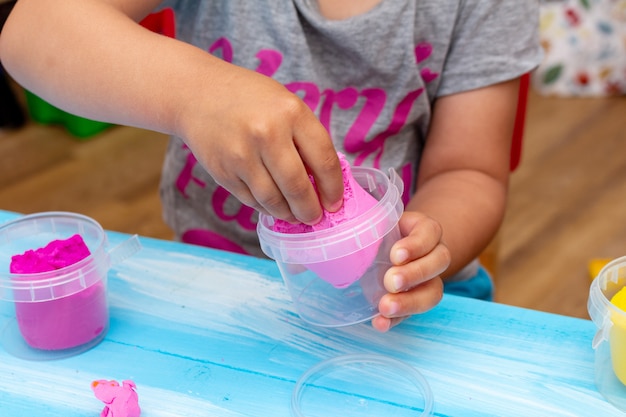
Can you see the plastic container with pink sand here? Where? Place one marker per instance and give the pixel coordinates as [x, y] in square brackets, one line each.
[334, 270]
[63, 310]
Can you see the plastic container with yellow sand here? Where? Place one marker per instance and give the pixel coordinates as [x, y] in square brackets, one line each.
[607, 309]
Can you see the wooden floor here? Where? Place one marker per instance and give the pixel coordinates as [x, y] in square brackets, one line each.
[567, 200]
[567, 203]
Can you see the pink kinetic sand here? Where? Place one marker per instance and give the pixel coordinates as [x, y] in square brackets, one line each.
[119, 400]
[55, 255]
[345, 270]
[66, 321]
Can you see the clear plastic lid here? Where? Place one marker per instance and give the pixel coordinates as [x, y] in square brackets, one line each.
[362, 385]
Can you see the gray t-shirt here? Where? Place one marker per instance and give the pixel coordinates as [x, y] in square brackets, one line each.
[371, 79]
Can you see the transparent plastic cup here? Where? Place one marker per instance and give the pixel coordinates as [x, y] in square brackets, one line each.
[610, 340]
[59, 313]
[312, 263]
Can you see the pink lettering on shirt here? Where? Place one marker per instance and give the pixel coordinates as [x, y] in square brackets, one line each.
[244, 216]
[269, 61]
[308, 92]
[423, 51]
[186, 177]
[375, 99]
[376, 145]
[225, 46]
[344, 99]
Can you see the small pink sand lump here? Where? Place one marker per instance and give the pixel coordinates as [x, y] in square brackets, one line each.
[55, 255]
[119, 400]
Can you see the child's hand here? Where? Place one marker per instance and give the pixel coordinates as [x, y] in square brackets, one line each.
[260, 142]
[413, 282]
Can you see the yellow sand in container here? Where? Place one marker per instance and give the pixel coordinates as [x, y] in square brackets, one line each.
[618, 335]
[596, 265]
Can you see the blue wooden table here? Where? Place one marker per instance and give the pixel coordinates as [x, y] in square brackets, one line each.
[208, 333]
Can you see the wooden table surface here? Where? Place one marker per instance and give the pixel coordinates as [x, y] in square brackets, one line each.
[208, 333]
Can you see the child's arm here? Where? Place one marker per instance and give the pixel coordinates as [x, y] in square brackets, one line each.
[460, 200]
[250, 133]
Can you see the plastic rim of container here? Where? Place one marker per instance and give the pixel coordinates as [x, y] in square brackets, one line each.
[365, 362]
[24, 283]
[599, 305]
[365, 229]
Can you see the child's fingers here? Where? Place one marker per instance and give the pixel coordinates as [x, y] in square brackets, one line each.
[320, 157]
[263, 195]
[384, 324]
[421, 235]
[282, 187]
[418, 300]
[405, 277]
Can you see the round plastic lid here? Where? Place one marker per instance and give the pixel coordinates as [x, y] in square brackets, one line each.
[363, 385]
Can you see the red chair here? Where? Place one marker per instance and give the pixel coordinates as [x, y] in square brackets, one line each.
[489, 256]
[162, 22]
[520, 120]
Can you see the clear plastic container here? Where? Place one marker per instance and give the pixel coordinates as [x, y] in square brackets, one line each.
[59, 313]
[311, 263]
[362, 385]
[610, 340]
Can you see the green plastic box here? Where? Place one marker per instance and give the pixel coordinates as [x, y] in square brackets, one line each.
[45, 113]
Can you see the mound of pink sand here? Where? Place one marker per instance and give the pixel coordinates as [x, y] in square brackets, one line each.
[55, 255]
